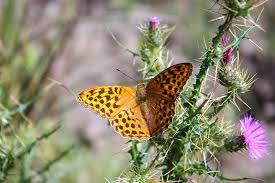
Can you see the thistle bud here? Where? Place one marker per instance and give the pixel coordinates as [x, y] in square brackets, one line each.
[227, 56]
[154, 23]
[227, 53]
[235, 79]
[234, 144]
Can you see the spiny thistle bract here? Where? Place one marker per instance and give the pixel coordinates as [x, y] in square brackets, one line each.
[198, 133]
[151, 47]
[253, 137]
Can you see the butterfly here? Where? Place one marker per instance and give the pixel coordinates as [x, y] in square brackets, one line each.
[142, 112]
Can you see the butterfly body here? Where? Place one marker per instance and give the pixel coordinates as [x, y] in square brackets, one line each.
[141, 93]
[141, 112]
[141, 99]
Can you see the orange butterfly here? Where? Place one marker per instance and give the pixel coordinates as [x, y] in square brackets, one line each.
[142, 112]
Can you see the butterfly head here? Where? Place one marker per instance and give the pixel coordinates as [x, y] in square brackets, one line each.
[141, 93]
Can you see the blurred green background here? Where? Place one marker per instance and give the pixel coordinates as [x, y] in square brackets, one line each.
[70, 41]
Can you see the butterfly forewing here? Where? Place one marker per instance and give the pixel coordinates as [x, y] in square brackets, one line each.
[162, 92]
[118, 104]
[107, 101]
[169, 83]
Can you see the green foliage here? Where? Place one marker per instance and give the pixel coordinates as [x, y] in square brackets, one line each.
[39, 151]
[23, 70]
[34, 147]
[152, 51]
[197, 133]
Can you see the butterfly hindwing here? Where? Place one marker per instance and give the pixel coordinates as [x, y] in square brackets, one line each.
[162, 112]
[130, 123]
[169, 83]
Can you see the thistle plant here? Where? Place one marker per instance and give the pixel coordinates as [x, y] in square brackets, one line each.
[151, 49]
[24, 70]
[199, 132]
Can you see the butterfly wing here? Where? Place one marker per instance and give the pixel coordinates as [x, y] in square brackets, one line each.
[169, 83]
[130, 123]
[162, 92]
[162, 112]
[118, 105]
[107, 101]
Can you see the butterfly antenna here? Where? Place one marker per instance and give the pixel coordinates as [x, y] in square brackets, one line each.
[65, 87]
[127, 75]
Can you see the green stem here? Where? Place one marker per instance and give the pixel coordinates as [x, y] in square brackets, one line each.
[233, 179]
[46, 167]
[136, 155]
[25, 151]
[34, 143]
[209, 59]
[173, 157]
[175, 152]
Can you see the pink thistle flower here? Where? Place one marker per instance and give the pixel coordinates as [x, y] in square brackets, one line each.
[227, 55]
[255, 137]
[154, 23]
[225, 40]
